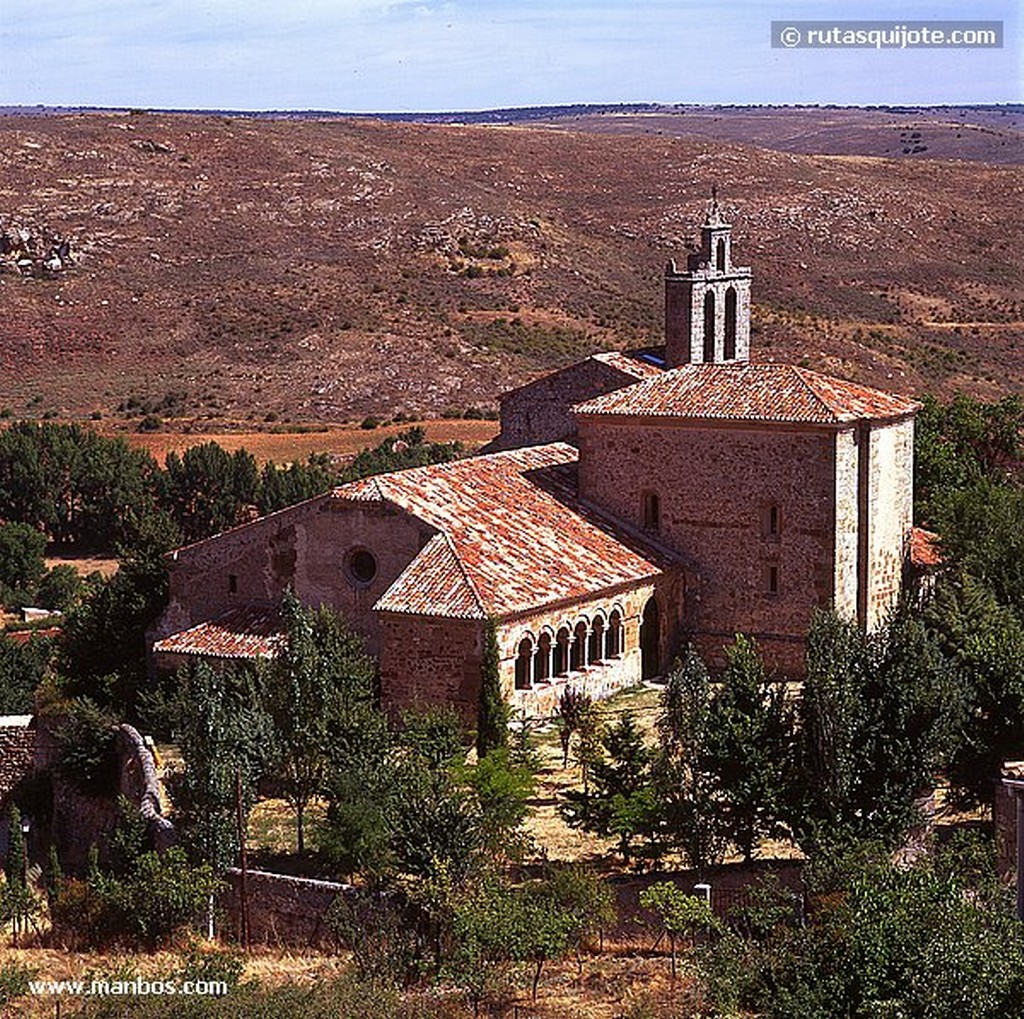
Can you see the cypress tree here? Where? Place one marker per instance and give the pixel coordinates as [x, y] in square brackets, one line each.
[15, 861]
[492, 711]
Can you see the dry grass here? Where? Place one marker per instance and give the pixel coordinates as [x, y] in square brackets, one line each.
[318, 277]
[85, 565]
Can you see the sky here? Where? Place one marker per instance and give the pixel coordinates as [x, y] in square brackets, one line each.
[444, 55]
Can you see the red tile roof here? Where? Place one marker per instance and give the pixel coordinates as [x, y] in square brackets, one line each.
[924, 548]
[246, 632]
[630, 364]
[435, 583]
[516, 538]
[751, 392]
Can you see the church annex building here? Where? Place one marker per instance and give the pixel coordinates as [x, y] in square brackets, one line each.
[634, 502]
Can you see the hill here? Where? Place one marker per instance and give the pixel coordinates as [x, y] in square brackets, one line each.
[225, 268]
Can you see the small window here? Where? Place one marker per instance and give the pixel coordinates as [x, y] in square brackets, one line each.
[232, 584]
[771, 522]
[773, 580]
[651, 511]
[361, 566]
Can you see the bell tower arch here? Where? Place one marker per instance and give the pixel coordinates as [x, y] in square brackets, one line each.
[707, 306]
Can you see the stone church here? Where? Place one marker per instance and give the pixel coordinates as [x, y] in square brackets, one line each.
[631, 503]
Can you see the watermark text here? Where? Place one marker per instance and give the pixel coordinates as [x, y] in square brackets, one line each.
[136, 987]
[886, 34]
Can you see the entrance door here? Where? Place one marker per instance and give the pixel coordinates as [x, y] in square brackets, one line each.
[650, 641]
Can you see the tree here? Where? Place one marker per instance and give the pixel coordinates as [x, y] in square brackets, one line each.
[934, 940]
[22, 666]
[985, 640]
[59, 589]
[687, 790]
[318, 691]
[22, 565]
[980, 531]
[680, 914]
[494, 927]
[493, 711]
[103, 650]
[748, 746]
[209, 489]
[222, 733]
[575, 708]
[503, 791]
[620, 801]
[876, 720]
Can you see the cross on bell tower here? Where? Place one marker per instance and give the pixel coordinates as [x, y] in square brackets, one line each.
[707, 307]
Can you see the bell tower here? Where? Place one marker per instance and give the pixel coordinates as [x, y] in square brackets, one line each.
[707, 307]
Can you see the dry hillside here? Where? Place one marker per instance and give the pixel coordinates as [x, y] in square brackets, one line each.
[226, 268]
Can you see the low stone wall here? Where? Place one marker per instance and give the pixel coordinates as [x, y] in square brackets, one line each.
[140, 785]
[81, 821]
[17, 751]
[282, 910]
[1004, 821]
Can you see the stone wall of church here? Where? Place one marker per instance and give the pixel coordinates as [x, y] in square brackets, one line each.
[847, 527]
[891, 505]
[306, 548]
[539, 412]
[715, 487]
[427, 661]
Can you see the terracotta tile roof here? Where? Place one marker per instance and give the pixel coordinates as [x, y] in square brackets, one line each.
[248, 631]
[24, 636]
[924, 548]
[434, 584]
[514, 530]
[630, 363]
[751, 392]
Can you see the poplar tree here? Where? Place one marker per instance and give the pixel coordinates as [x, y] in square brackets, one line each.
[493, 712]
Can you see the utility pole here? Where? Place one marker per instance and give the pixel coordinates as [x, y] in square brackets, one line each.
[242, 890]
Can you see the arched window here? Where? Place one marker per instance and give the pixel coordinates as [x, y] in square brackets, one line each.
[597, 633]
[614, 642]
[562, 652]
[578, 651]
[542, 660]
[720, 255]
[730, 324]
[523, 659]
[650, 641]
[709, 327]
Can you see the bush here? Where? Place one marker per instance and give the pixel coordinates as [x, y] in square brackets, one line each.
[14, 978]
[370, 423]
[59, 589]
[150, 423]
[87, 755]
[162, 894]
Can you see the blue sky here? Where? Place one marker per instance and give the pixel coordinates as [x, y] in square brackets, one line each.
[374, 56]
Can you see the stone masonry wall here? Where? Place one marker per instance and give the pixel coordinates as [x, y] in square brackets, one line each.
[684, 315]
[305, 548]
[282, 910]
[890, 497]
[539, 412]
[430, 660]
[847, 524]
[17, 749]
[716, 486]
